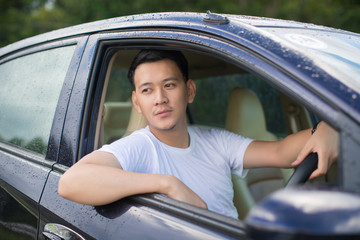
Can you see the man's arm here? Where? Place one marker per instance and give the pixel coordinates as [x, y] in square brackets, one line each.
[98, 179]
[293, 149]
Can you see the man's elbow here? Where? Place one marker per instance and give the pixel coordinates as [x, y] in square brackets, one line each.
[64, 187]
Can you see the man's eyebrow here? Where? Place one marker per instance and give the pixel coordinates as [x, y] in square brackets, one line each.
[145, 84]
[164, 80]
[170, 79]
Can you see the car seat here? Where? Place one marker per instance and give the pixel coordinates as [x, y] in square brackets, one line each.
[136, 121]
[245, 116]
[116, 119]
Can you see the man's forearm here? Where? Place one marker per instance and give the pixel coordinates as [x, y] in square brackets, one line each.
[94, 184]
[291, 146]
[98, 185]
[275, 153]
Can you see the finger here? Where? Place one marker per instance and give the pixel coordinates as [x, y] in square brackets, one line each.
[302, 155]
[315, 174]
[322, 166]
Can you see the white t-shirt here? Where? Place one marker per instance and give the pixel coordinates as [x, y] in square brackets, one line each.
[205, 166]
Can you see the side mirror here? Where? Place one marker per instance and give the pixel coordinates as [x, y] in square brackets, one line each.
[306, 213]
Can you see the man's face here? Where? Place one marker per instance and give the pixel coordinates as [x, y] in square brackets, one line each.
[161, 94]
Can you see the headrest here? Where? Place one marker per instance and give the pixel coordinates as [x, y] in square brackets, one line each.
[136, 121]
[245, 115]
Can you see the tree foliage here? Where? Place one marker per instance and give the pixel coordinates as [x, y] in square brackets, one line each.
[23, 18]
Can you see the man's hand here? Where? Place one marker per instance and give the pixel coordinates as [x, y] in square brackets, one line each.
[176, 189]
[325, 142]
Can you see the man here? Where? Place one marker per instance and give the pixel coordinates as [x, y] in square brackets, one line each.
[188, 164]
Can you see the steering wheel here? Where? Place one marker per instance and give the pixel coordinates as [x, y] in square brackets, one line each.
[303, 171]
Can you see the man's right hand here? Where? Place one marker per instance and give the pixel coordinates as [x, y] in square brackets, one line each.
[176, 189]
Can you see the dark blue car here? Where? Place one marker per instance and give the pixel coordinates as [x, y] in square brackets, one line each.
[65, 93]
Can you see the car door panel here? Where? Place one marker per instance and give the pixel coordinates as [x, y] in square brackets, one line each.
[22, 175]
[34, 99]
[124, 219]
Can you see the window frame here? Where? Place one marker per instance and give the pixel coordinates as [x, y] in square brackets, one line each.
[60, 111]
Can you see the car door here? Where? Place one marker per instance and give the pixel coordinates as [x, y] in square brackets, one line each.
[32, 83]
[151, 216]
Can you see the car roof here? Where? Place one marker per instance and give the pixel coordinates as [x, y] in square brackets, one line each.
[168, 19]
[312, 50]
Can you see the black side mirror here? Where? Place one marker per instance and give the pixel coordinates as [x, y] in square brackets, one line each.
[306, 213]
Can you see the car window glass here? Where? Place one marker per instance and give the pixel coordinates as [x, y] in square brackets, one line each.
[212, 99]
[30, 88]
[119, 89]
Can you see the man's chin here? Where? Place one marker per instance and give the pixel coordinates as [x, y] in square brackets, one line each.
[164, 128]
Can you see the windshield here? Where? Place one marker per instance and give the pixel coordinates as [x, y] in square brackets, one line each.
[338, 53]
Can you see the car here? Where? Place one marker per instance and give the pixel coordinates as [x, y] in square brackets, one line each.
[65, 93]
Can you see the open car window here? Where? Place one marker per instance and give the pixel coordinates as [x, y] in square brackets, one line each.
[227, 97]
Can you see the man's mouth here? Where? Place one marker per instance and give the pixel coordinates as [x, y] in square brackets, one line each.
[163, 112]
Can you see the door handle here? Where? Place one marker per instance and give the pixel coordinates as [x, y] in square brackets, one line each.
[54, 231]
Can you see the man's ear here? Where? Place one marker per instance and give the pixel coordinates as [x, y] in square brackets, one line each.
[135, 102]
[191, 88]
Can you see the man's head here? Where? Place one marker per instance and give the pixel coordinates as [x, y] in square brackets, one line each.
[162, 89]
[147, 56]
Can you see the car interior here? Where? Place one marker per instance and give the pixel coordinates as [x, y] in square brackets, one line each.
[227, 97]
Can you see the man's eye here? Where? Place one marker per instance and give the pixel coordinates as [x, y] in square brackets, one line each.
[169, 85]
[145, 90]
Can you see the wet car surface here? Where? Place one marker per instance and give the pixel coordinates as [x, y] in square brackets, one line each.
[65, 93]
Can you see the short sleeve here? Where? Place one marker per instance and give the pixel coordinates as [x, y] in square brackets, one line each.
[235, 146]
[131, 152]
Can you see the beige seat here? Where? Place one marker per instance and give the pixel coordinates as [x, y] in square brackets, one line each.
[136, 121]
[119, 119]
[116, 119]
[245, 116]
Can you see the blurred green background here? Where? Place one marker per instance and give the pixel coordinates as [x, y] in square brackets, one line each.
[25, 18]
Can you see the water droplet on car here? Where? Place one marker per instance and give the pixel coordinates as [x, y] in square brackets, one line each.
[315, 75]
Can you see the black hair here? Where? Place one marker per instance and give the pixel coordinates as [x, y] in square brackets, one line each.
[146, 56]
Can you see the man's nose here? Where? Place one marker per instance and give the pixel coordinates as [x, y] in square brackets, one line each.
[160, 97]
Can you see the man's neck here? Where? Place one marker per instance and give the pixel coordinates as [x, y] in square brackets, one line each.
[173, 137]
